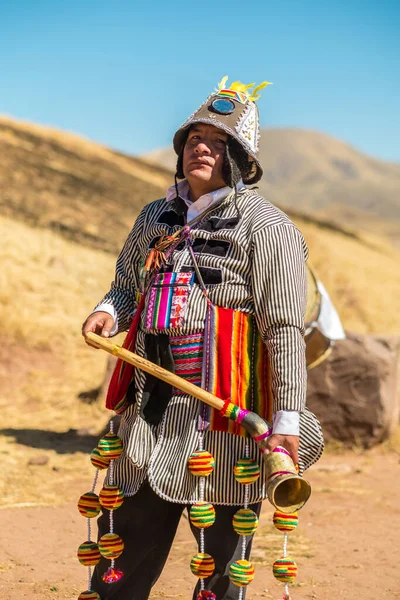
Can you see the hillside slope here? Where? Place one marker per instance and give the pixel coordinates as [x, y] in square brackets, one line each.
[315, 173]
[71, 185]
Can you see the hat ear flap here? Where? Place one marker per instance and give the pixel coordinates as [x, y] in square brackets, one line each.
[179, 166]
[179, 163]
[230, 169]
[240, 165]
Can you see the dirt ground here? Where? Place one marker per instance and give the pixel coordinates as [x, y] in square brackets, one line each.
[346, 544]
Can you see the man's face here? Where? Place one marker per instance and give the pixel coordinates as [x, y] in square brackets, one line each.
[203, 156]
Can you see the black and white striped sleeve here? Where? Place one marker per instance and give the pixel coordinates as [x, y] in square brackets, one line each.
[280, 294]
[122, 295]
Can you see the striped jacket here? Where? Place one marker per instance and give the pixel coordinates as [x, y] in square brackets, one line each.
[251, 258]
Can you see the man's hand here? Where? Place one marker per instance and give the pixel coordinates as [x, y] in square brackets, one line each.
[290, 442]
[98, 322]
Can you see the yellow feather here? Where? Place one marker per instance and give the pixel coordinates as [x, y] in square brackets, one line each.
[222, 83]
[238, 86]
[254, 96]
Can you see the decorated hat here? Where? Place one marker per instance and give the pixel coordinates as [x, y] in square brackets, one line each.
[231, 108]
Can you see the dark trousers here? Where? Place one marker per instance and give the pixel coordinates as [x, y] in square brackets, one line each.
[147, 525]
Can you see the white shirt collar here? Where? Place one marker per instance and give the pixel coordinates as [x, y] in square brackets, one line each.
[202, 203]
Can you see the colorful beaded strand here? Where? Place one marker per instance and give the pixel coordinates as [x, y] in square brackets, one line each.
[202, 484]
[285, 539]
[245, 506]
[111, 497]
[245, 521]
[202, 514]
[285, 544]
[89, 536]
[111, 481]
[285, 569]
[88, 504]
[111, 545]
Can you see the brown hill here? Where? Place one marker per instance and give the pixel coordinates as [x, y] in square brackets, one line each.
[315, 173]
[60, 181]
[91, 194]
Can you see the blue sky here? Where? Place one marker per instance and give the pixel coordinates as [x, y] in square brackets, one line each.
[127, 74]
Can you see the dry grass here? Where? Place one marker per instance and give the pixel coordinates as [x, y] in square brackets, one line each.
[77, 144]
[363, 280]
[393, 444]
[269, 541]
[23, 485]
[48, 286]
[81, 190]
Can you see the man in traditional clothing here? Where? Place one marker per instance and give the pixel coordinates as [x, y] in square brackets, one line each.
[211, 253]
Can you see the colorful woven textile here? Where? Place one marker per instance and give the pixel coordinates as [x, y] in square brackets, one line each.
[168, 298]
[233, 94]
[235, 366]
[187, 351]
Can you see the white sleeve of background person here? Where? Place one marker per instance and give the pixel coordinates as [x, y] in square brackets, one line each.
[329, 321]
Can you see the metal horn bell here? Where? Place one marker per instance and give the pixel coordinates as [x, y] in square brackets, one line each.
[286, 490]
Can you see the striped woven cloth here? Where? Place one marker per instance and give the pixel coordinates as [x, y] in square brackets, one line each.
[236, 366]
[187, 351]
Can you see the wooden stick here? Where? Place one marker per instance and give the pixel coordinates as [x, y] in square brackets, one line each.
[287, 492]
[159, 372]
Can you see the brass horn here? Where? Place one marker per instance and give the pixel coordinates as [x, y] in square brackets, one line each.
[286, 490]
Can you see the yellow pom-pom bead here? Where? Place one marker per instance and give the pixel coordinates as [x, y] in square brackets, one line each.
[202, 515]
[111, 545]
[111, 497]
[201, 463]
[202, 565]
[241, 573]
[89, 505]
[284, 569]
[110, 446]
[88, 554]
[99, 461]
[245, 521]
[246, 470]
[285, 521]
[89, 595]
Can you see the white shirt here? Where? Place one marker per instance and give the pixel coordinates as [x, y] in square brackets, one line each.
[205, 201]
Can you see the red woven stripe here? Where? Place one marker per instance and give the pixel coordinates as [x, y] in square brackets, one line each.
[222, 362]
[123, 371]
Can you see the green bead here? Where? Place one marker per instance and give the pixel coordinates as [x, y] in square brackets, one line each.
[110, 446]
[245, 521]
[202, 515]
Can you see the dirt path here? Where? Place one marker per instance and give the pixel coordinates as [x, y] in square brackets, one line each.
[346, 545]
